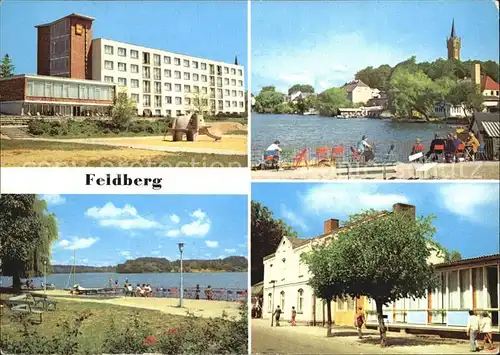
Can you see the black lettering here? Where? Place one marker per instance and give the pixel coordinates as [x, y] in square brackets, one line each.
[89, 178]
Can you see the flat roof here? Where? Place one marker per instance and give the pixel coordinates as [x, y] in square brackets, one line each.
[70, 15]
[57, 78]
[164, 50]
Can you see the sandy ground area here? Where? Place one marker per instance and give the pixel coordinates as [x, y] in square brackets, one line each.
[61, 158]
[229, 145]
[313, 340]
[462, 171]
[200, 308]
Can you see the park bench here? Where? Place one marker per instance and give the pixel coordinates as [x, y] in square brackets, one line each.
[21, 306]
[42, 299]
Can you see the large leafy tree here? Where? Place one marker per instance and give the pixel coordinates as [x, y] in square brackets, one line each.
[123, 110]
[375, 77]
[467, 95]
[304, 88]
[266, 233]
[384, 257]
[26, 231]
[6, 67]
[330, 100]
[269, 100]
[411, 92]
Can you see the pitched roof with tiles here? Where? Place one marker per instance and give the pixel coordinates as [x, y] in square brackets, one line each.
[353, 85]
[470, 261]
[488, 83]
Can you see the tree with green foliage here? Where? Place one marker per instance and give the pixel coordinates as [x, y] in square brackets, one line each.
[26, 231]
[330, 100]
[375, 77]
[383, 257]
[6, 67]
[412, 91]
[285, 107]
[122, 111]
[304, 88]
[269, 100]
[467, 95]
[266, 233]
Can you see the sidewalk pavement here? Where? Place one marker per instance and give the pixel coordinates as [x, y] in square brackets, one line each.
[347, 338]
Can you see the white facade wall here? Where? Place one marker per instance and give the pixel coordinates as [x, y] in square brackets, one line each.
[169, 93]
[448, 110]
[290, 289]
[361, 94]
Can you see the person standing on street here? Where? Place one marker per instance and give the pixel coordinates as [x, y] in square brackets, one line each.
[473, 329]
[277, 315]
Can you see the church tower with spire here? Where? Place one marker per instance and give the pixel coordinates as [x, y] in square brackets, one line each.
[453, 43]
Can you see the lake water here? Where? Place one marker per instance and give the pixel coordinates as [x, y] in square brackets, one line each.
[224, 280]
[298, 132]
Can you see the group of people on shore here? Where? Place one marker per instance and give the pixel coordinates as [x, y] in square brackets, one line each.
[453, 148]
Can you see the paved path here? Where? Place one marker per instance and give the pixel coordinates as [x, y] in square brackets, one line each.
[489, 170]
[313, 340]
[109, 142]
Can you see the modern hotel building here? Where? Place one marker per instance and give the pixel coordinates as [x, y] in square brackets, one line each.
[161, 83]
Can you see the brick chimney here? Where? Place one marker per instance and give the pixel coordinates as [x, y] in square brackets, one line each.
[476, 73]
[404, 208]
[331, 225]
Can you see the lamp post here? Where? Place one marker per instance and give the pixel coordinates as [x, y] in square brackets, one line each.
[272, 303]
[181, 249]
[45, 276]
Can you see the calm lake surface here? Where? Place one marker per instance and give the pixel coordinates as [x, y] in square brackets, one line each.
[226, 280]
[298, 132]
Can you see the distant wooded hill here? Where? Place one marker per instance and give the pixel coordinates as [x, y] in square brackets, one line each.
[157, 265]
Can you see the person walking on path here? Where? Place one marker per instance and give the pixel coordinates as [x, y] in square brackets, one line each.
[473, 329]
[359, 321]
[277, 315]
[294, 314]
[485, 326]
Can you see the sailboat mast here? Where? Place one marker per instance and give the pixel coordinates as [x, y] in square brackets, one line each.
[74, 266]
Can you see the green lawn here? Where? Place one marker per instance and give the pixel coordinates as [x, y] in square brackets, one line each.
[24, 153]
[125, 328]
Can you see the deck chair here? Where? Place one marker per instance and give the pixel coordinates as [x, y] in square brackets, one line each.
[356, 157]
[321, 155]
[469, 154]
[271, 159]
[481, 153]
[460, 153]
[337, 153]
[439, 151]
[301, 157]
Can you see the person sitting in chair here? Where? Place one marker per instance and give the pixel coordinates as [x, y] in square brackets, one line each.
[471, 146]
[450, 149]
[273, 150]
[365, 149]
[436, 141]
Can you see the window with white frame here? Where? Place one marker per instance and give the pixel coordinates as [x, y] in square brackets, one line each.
[177, 88]
[167, 73]
[204, 78]
[178, 100]
[233, 71]
[195, 64]
[108, 79]
[168, 99]
[157, 87]
[195, 77]
[227, 92]
[134, 68]
[269, 302]
[108, 65]
[300, 300]
[187, 100]
[233, 82]
[226, 70]
[122, 52]
[227, 104]
[233, 93]
[186, 63]
[478, 283]
[240, 72]
[465, 289]
[146, 100]
[134, 97]
[234, 104]
[168, 87]
[156, 60]
[242, 104]
[134, 54]
[146, 73]
[134, 83]
[166, 59]
[177, 74]
[226, 81]
[203, 66]
[157, 101]
[196, 89]
[177, 61]
[453, 294]
[108, 49]
[204, 89]
[169, 112]
[146, 86]
[157, 73]
[187, 76]
[122, 81]
[240, 93]
[187, 88]
[122, 67]
[282, 300]
[240, 82]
